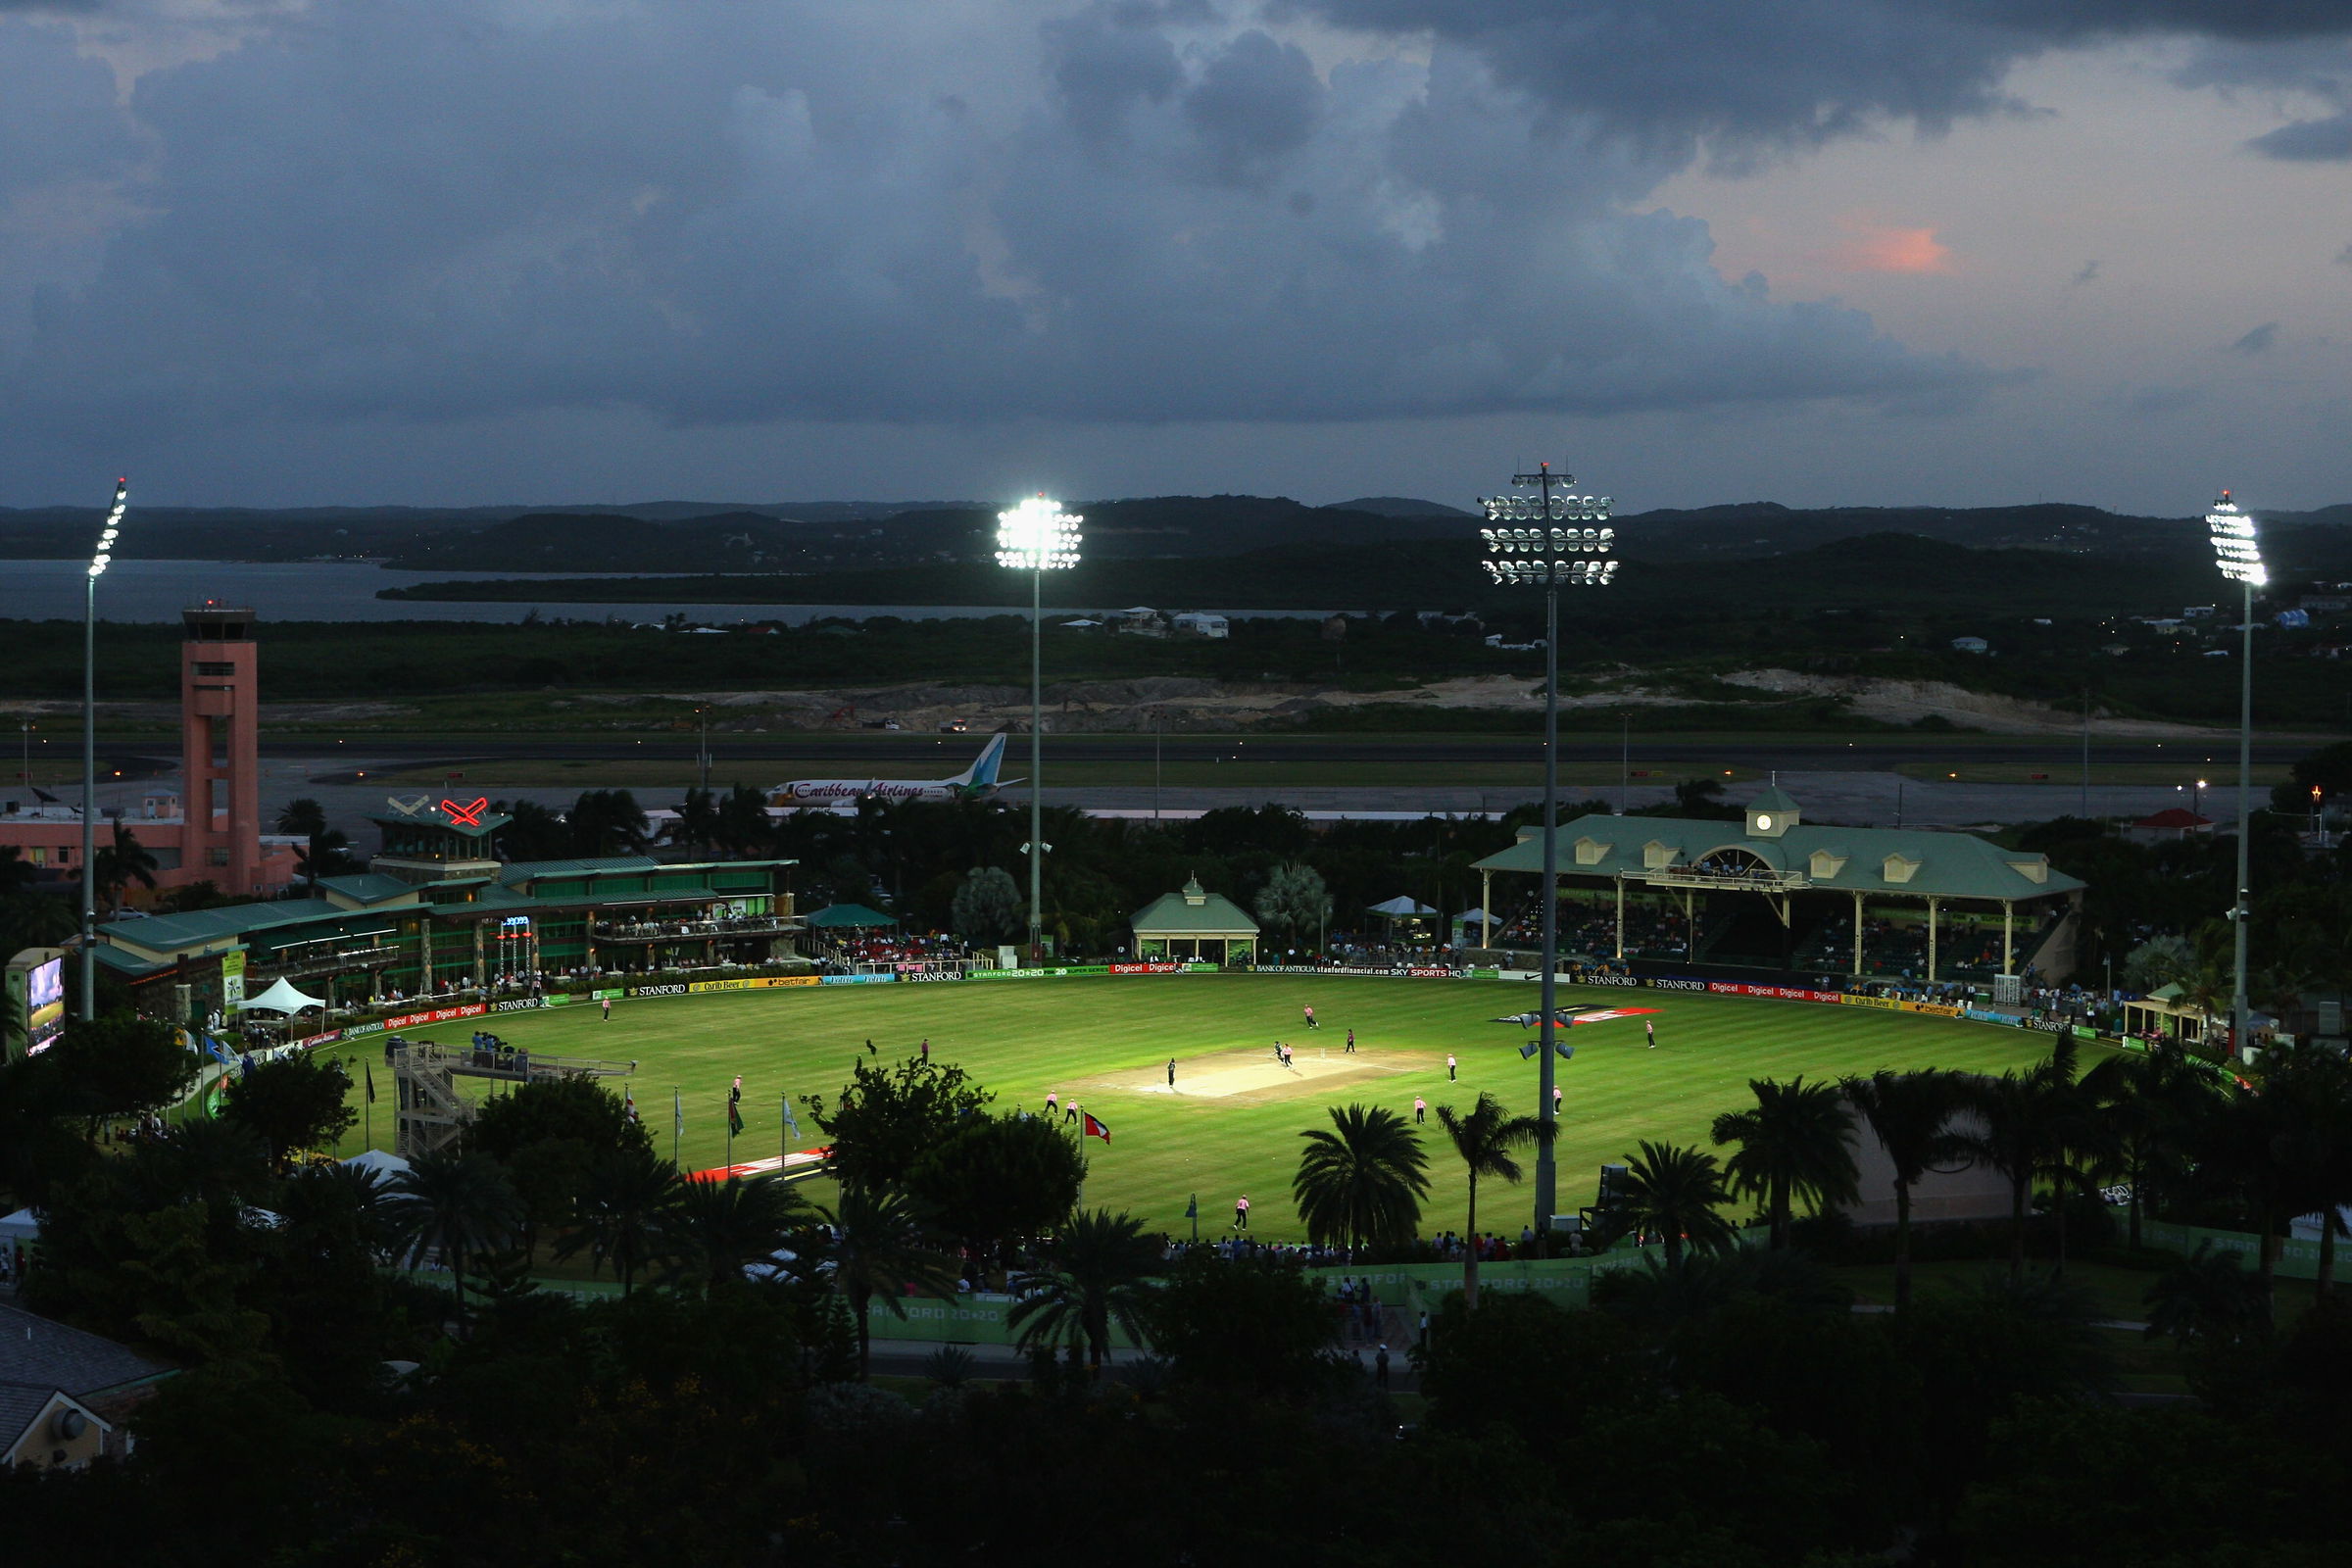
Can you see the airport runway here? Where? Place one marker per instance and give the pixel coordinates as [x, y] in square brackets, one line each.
[1860, 797]
[1760, 752]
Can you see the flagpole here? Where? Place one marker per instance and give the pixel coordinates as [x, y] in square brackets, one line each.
[678, 1122]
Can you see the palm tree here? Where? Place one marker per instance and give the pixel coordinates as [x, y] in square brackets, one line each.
[121, 864]
[623, 1212]
[326, 847]
[1485, 1139]
[2033, 1125]
[2312, 1087]
[1907, 1111]
[717, 1228]
[2147, 1099]
[2207, 1296]
[1103, 1274]
[742, 825]
[1675, 1192]
[698, 819]
[1363, 1182]
[2249, 1141]
[455, 1203]
[879, 1249]
[1793, 1145]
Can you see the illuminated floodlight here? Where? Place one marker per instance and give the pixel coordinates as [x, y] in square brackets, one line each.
[1038, 536]
[2236, 548]
[104, 554]
[1549, 556]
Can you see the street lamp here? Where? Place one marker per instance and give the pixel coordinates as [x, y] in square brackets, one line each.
[1548, 556]
[2238, 553]
[100, 560]
[1037, 537]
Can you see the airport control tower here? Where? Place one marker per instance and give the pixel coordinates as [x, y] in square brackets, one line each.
[219, 697]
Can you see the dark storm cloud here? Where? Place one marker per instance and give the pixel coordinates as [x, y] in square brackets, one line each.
[1104, 64]
[732, 212]
[2309, 140]
[1257, 101]
[735, 214]
[1769, 76]
[2260, 340]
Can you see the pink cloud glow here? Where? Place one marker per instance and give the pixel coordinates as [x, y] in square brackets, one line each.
[1881, 247]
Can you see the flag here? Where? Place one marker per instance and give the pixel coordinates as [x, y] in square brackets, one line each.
[1192, 1210]
[678, 1116]
[1091, 1128]
[629, 1103]
[790, 1120]
[734, 1120]
[370, 1074]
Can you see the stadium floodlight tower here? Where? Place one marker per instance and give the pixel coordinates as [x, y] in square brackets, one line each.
[1037, 537]
[2238, 551]
[1562, 550]
[100, 560]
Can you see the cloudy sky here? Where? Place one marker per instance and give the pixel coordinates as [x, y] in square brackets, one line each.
[277, 252]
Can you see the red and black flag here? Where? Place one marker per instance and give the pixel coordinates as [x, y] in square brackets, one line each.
[370, 1073]
[1093, 1128]
[734, 1120]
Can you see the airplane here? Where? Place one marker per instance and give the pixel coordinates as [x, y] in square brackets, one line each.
[975, 783]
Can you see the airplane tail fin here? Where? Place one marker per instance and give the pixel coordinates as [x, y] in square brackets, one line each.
[982, 774]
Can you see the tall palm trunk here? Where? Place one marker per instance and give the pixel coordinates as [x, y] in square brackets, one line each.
[2058, 1194]
[1779, 1210]
[859, 1303]
[2020, 1188]
[2269, 1268]
[2323, 1286]
[2138, 1170]
[1470, 1252]
[1902, 1246]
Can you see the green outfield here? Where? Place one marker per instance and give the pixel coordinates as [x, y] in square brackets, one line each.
[1231, 1124]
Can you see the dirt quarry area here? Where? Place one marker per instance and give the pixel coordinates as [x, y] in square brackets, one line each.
[1905, 701]
[1181, 705]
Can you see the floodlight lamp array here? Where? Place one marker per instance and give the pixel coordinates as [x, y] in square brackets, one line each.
[1550, 555]
[1038, 536]
[104, 555]
[1562, 507]
[2236, 549]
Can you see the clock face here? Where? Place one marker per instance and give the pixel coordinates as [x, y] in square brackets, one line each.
[1763, 822]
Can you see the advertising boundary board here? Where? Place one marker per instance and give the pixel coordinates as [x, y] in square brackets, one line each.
[1682, 983]
[2298, 1259]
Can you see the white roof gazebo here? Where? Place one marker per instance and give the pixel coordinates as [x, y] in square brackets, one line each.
[1194, 923]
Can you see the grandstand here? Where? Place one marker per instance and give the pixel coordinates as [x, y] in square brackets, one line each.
[1776, 893]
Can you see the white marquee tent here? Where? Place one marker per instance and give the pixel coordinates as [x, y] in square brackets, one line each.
[282, 997]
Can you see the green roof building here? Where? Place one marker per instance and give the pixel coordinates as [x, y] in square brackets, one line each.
[1774, 892]
[1194, 923]
[438, 914]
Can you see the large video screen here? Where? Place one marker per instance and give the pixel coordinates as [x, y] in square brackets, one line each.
[44, 1004]
[45, 987]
